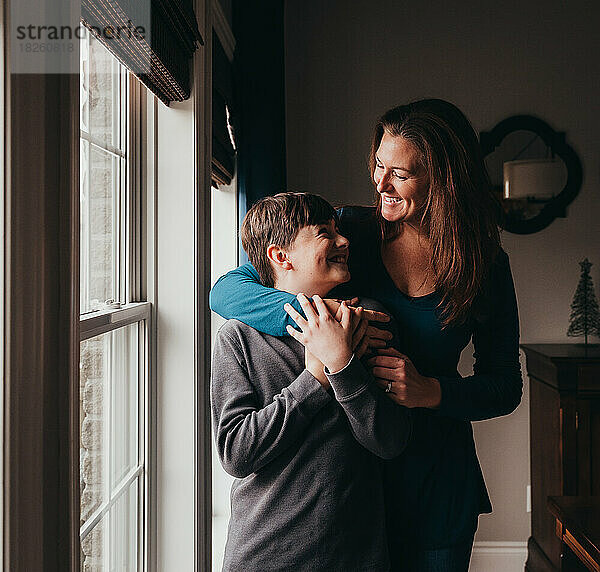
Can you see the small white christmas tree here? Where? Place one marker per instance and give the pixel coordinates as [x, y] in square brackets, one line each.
[585, 313]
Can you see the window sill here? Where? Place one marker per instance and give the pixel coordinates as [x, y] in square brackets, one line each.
[102, 321]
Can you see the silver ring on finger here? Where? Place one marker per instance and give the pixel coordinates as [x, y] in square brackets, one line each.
[389, 387]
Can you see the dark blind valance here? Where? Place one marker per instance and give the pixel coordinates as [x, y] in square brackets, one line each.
[154, 39]
[223, 115]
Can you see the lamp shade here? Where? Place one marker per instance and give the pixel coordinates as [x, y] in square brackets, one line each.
[538, 178]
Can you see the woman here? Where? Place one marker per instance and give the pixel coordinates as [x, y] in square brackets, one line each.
[430, 252]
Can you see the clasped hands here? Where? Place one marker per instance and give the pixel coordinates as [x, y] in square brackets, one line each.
[332, 331]
[328, 340]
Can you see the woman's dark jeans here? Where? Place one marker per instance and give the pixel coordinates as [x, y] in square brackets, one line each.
[454, 558]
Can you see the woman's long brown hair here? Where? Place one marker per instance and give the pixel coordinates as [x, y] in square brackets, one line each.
[460, 215]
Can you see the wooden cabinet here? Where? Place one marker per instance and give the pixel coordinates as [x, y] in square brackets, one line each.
[578, 525]
[565, 439]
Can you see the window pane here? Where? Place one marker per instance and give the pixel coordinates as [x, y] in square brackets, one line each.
[99, 226]
[109, 398]
[224, 257]
[84, 222]
[124, 531]
[94, 548]
[93, 393]
[112, 545]
[103, 113]
[124, 403]
[105, 87]
[84, 85]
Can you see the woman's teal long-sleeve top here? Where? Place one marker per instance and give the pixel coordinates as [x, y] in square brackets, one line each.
[435, 488]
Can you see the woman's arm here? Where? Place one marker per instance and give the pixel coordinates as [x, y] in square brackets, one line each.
[249, 437]
[496, 387]
[240, 295]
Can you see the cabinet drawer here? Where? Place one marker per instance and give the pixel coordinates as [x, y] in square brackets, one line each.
[588, 377]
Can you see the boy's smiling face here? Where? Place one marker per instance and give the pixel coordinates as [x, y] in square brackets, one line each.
[317, 259]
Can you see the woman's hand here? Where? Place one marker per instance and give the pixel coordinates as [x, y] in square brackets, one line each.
[378, 339]
[333, 305]
[408, 387]
[327, 339]
[373, 338]
[360, 338]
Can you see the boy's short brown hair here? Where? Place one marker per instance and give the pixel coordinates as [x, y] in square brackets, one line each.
[277, 220]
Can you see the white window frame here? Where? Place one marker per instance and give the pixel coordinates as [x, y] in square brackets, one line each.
[131, 282]
[96, 324]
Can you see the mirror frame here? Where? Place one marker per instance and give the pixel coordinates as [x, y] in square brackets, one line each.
[557, 206]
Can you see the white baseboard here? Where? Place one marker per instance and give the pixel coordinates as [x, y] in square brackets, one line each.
[498, 557]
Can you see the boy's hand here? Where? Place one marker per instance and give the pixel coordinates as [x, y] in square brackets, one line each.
[327, 339]
[314, 366]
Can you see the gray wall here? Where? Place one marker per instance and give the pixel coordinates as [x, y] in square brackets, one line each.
[347, 62]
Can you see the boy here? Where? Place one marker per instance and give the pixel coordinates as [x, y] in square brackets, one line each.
[300, 429]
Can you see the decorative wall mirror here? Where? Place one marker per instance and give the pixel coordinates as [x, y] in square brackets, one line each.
[534, 171]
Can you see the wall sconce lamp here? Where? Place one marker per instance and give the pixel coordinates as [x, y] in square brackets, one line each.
[533, 179]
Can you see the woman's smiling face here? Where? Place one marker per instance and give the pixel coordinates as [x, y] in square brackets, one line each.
[401, 180]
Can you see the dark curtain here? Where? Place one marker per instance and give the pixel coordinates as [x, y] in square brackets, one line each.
[260, 96]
